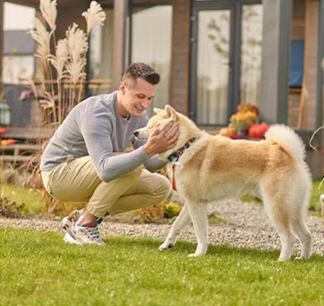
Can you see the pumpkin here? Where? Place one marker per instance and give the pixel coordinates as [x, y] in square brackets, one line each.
[227, 131]
[6, 142]
[258, 130]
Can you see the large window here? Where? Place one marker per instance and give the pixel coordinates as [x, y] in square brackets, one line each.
[18, 61]
[151, 30]
[251, 53]
[101, 55]
[18, 55]
[226, 58]
[213, 53]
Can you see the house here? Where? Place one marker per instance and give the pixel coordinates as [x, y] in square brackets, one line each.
[215, 54]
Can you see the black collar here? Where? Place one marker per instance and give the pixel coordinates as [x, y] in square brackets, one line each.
[176, 155]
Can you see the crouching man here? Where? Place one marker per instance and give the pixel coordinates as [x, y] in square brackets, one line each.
[84, 160]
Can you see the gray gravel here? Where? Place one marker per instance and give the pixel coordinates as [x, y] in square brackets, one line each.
[246, 226]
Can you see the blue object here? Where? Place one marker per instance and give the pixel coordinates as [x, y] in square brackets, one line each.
[296, 63]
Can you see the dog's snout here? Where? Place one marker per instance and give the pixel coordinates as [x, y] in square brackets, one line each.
[136, 133]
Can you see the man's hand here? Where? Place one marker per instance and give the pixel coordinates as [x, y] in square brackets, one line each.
[161, 141]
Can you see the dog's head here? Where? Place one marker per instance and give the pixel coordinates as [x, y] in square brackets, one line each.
[161, 118]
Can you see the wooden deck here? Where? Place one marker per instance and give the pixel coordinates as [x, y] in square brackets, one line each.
[29, 144]
[18, 154]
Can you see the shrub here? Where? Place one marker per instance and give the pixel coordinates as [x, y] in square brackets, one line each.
[10, 209]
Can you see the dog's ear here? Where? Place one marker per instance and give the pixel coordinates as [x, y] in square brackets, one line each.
[171, 112]
[157, 110]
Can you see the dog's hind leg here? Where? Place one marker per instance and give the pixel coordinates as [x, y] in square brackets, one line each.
[279, 213]
[304, 235]
[199, 219]
[300, 198]
[182, 220]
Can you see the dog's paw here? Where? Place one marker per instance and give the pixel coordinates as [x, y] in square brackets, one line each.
[302, 257]
[165, 246]
[283, 259]
[195, 255]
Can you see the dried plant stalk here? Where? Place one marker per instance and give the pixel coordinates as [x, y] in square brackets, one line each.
[57, 97]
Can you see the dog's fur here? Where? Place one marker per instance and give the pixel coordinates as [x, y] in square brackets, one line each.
[216, 167]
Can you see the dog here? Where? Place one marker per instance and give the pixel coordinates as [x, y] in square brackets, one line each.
[210, 168]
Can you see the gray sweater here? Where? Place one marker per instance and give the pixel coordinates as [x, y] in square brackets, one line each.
[95, 128]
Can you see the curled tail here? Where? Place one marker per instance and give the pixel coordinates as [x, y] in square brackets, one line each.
[287, 139]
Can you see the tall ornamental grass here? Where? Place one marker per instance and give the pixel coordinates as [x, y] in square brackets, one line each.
[60, 78]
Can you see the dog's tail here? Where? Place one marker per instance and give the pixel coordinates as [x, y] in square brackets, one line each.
[287, 139]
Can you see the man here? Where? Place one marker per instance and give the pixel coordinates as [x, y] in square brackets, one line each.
[84, 160]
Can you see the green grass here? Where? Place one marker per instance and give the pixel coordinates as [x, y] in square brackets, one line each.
[31, 197]
[39, 269]
[315, 204]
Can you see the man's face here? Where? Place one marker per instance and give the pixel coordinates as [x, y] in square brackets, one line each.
[136, 97]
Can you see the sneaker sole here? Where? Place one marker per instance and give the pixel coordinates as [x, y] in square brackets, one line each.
[69, 239]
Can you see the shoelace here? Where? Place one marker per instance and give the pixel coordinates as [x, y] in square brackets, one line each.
[92, 232]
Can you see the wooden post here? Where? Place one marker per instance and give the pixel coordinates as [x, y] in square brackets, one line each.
[180, 63]
[310, 64]
[120, 14]
[275, 60]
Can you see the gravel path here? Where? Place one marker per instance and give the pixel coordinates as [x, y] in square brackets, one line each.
[246, 226]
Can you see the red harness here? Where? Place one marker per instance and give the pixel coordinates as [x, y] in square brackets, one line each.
[174, 187]
[174, 157]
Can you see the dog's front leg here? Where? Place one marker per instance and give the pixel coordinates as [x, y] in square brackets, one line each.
[199, 219]
[182, 220]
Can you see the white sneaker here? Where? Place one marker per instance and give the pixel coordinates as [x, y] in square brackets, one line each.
[69, 239]
[67, 224]
[87, 234]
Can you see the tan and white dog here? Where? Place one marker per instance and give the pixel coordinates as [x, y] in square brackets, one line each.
[211, 168]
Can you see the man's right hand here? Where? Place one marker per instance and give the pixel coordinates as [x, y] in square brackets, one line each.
[162, 140]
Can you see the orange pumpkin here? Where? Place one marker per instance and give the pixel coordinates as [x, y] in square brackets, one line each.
[258, 130]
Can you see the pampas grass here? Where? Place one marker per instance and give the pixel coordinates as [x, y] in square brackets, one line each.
[42, 37]
[58, 96]
[59, 59]
[94, 15]
[49, 13]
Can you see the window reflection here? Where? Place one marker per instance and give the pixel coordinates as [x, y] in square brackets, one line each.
[213, 66]
[101, 55]
[151, 44]
[251, 48]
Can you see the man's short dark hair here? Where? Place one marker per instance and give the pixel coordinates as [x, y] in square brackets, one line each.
[143, 71]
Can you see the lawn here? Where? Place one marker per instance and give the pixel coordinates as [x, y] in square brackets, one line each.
[34, 204]
[39, 269]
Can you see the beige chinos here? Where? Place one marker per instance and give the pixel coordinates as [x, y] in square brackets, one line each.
[76, 180]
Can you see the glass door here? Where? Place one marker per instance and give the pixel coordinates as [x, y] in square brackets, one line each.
[226, 44]
[211, 64]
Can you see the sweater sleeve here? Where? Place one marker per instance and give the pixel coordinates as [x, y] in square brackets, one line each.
[97, 133]
[154, 163]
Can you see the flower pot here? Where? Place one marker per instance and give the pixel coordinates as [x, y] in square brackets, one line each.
[244, 132]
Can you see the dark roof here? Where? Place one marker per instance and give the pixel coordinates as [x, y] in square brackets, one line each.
[18, 42]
